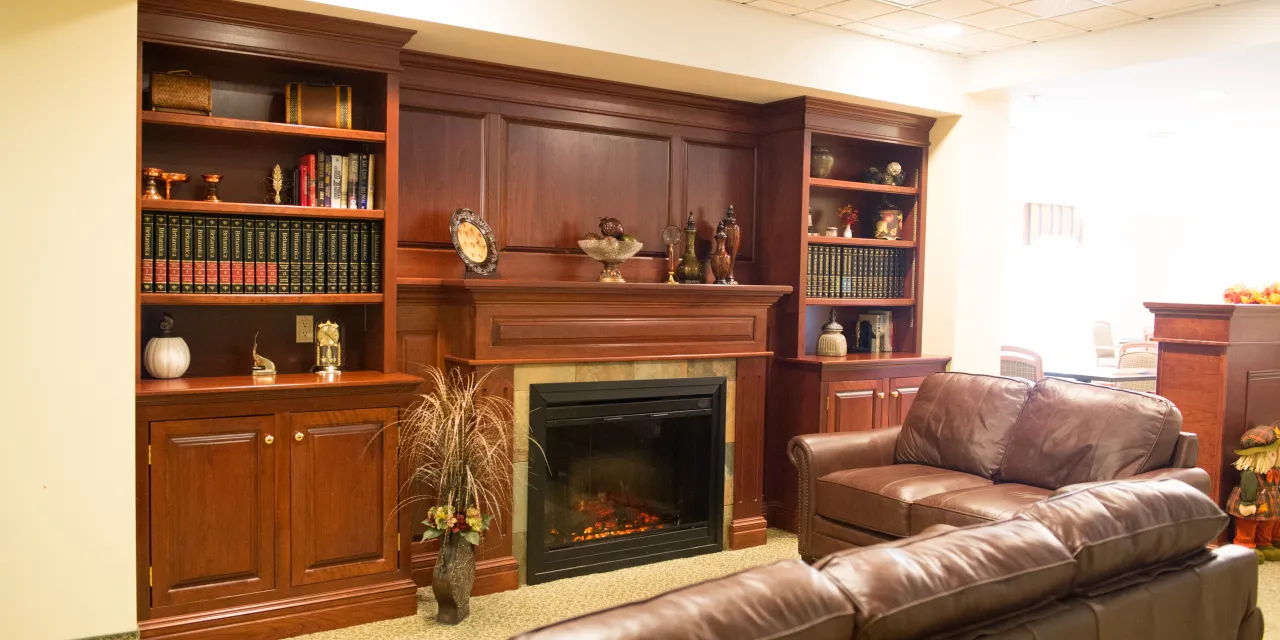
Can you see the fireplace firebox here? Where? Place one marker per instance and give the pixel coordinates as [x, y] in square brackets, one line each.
[627, 473]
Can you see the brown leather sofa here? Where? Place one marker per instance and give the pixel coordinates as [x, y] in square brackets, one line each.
[1115, 561]
[976, 449]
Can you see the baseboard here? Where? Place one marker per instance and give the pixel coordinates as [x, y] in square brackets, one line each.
[492, 575]
[292, 617]
[780, 517]
[747, 532]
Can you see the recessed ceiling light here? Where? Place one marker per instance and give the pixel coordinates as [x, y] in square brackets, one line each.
[945, 30]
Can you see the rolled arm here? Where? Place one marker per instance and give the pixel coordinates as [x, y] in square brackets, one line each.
[816, 455]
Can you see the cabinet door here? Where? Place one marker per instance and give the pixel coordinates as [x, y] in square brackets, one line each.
[213, 497]
[342, 472]
[902, 392]
[854, 405]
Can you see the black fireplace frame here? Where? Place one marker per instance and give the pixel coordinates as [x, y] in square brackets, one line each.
[575, 402]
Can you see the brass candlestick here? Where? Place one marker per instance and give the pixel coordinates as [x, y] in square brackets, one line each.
[211, 181]
[169, 179]
[151, 190]
[671, 237]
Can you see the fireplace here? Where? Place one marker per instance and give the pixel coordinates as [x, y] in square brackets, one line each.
[628, 473]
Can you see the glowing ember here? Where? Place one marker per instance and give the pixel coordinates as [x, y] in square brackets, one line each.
[609, 516]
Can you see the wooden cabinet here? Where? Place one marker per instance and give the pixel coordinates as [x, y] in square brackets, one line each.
[855, 405]
[815, 394]
[214, 484]
[342, 477]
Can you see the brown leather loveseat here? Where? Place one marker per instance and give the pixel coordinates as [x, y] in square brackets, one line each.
[1115, 561]
[976, 449]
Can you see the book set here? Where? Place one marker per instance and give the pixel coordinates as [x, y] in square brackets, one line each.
[856, 272]
[237, 255]
[340, 181]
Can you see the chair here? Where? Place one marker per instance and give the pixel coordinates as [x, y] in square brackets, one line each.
[1104, 343]
[1016, 362]
[1138, 355]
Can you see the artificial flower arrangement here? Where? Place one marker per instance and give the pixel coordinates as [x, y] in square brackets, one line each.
[849, 216]
[1240, 294]
[444, 519]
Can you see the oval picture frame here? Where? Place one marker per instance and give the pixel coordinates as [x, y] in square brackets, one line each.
[463, 220]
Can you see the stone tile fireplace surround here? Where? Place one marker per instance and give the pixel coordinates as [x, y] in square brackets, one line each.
[523, 333]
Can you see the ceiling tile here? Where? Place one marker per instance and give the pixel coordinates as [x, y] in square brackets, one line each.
[776, 7]
[1040, 30]
[822, 18]
[1096, 18]
[988, 41]
[1159, 7]
[908, 3]
[906, 38]
[1050, 8]
[951, 9]
[948, 47]
[931, 31]
[903, 20]
[811, 4]
[868, 29]
[997, 18]
[859, 9]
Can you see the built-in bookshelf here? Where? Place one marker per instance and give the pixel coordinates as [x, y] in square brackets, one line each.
[220, 301]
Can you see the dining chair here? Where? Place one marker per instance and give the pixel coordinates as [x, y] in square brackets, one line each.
[1017, 362]
[1138, 355]
[1104, 343]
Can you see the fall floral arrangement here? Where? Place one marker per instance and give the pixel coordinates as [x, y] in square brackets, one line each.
[848, 215]
[445, 519]
[1240, 294]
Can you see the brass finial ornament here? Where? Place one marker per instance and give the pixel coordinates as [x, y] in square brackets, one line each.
[275, 183]
[261, 365]
[328, 348]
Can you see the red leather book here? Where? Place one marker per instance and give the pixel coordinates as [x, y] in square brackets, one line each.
[175, 254]
[148, 252]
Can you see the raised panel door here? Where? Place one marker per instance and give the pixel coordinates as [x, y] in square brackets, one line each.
[213, 485]
[902, 392]
[342, 471]
[854, 405]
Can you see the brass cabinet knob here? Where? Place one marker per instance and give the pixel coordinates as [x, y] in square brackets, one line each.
[298, 436]
[895, 394]
[269, 439]
[880, 395]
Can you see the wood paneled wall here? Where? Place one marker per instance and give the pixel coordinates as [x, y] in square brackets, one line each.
[544, 156]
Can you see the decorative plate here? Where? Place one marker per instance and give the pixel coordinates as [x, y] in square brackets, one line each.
[473, 239]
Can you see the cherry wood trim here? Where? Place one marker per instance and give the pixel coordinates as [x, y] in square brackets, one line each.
[259, 299]
[618, 358]
[259, 126]
[862, 186]
[863, 361]
[840, 118]
[497, 290]
[493, 575]
[751, 385]
[282, 386]
[280, 33]
[256, 209]
[747, 532]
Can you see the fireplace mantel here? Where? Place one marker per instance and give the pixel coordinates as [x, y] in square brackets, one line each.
[496, 322]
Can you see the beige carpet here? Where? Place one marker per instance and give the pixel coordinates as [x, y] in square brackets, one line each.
[500, 615]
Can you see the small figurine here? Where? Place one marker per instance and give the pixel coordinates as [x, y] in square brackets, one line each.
[261, 365]
[1254, 504]
[892, 175]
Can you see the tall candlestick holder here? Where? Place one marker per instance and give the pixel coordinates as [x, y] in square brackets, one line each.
[211, 181]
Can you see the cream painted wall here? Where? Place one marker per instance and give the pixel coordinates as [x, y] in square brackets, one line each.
[969, 215]
[69, 71]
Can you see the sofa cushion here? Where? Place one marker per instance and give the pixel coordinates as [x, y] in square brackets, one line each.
[1118, 527]
[927, 585]
[782, 601]
[879, 498]
[961, 422]
[1073, 432]
[975, 505]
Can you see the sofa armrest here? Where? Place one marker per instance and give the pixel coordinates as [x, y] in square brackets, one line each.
[1186, 451]
[1194, 476]
[816, 455]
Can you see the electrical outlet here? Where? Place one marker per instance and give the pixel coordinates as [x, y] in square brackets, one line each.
[306, 330]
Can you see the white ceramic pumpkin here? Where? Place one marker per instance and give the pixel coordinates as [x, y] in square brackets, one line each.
[167, 355]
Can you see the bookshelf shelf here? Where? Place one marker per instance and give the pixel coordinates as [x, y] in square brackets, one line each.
[221, 299]
[253, 209]
[861, 302]
[258, 126]
[863, 186]
[863, 242]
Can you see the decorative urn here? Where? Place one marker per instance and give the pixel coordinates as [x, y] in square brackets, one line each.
[821, 162]
[610, 252]
[166, 355]
[832, 341]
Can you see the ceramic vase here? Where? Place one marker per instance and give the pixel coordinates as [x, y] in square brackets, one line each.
[732, 242]
[453, 578]
[832, 341]
[821, 161]
[721, 263]
[690, 269]
[166, 355]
